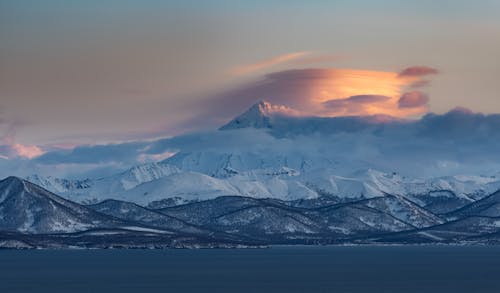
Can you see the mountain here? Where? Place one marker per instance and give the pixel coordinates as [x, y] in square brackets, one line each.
[134, 213]
[257, 116]
[261, 219]
[485, 207]
[277, 221]
[179, 185]
[59, 185]
[468, 230]
[34, 217]
[95, 190]
[27, 208]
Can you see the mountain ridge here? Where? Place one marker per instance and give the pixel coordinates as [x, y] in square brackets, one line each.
[230, 221]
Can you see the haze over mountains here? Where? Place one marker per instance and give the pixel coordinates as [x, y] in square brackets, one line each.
[269, 177]
[455, 143]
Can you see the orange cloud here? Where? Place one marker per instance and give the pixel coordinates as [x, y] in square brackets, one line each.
[338, 92]
[360, 103]
[324, 92]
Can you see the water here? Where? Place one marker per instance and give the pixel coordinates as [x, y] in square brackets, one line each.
[278, 269]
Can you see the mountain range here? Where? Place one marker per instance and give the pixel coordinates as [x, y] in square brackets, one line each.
[266, 178]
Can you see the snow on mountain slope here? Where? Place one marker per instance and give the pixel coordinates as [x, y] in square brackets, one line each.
[257, 116]
[372, 183]
[193, 186]
[59, 185]
[94, 190]
[325, 182]
[282, 183]
[224, 162]
[187, 185]
[122, 181]
[138, 175]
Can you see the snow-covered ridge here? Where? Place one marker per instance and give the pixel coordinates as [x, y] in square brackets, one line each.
[149, 183]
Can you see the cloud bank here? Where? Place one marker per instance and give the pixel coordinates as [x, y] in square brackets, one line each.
[457, 142]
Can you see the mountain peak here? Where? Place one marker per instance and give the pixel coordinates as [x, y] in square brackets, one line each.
[13, 181]
[257, 116]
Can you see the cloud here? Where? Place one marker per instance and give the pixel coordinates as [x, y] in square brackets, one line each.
[9, 148]
[95, 154]
[307, 90]
[435, 144]
[459, 141]
[316, 59]
[420, 83]
[354, 104]
[461, 124]
[418, 71]
[27, 151]
[295, 58]
[413, 99]
[263, 64]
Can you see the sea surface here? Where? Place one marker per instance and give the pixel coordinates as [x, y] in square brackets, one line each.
[277, 269]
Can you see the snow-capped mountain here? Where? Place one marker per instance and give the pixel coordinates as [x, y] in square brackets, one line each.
[257, 116]
[94, 190]
[283, 183]
[59, 185]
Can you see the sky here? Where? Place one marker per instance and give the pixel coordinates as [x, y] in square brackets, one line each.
[94, 72]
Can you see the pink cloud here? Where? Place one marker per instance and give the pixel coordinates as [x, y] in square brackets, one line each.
[27, 151]
[420, 83]
[413, 99]
[11, 149]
